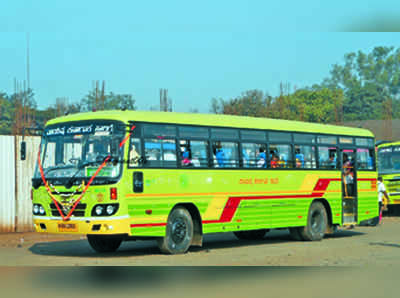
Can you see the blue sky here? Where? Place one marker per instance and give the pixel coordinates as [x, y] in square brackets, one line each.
[197, 50]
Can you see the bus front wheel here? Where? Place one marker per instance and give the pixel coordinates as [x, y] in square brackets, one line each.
[317, 222]
[179, 232]
[104, 243]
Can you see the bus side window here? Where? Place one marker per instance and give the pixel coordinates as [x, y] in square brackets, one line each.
[194, 153]
[135, 153]
[365, 159]
[160, 152]
[254, 155]
[50, 155]
[305, 157]
[280, 156]
[225, 154]
[328, 157]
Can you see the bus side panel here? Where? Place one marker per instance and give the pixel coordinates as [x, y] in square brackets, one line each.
[232, 200]
[367, 196]
[392, 184]
[149, 215]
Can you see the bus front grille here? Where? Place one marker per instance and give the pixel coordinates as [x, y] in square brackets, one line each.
[79, 210]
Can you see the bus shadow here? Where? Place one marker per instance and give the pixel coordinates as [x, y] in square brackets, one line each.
[385, 244]
[344, 234]
[81, 248]
[271, 238]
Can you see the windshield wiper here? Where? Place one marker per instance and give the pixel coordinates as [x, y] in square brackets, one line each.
[57, 168]
[82, 165]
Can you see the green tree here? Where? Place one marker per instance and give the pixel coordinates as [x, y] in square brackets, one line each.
[110, 101]
[251, 103]
[23, 110]
[6, 114]
[368, 80]
[317, 104]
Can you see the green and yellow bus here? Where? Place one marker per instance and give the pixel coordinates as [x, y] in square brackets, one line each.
[174, 177]
[389, 169]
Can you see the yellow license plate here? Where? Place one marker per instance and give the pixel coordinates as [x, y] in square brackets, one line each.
[67, 227]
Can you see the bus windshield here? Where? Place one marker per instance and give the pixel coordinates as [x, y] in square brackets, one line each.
[389, 160]
[74, 151]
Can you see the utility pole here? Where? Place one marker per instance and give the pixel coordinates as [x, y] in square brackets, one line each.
[165, 102]
[102, 96]
[99, 96]
[27, 62]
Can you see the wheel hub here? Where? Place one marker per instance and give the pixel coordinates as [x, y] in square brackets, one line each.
[179, 230]
[316, 222]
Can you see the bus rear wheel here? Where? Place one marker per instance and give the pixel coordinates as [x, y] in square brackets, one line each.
[317, 222]
[251, 235]
[179, 232]
[104, 243]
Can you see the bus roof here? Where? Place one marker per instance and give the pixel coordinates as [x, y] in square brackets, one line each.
[214, 120]
[389, 144]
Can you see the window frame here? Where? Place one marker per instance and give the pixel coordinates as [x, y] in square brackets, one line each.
[138, 133]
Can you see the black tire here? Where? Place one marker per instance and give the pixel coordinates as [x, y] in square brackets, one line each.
[104, 243]
[317, 222]
[373, 222]
[251, 235]
[295, 234]
[179, 232]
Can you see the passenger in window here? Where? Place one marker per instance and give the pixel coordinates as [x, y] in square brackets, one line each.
[220, 156]
[186, 162]
[299, 159]
[348, 171]
[261, 158]
[275, 161]
[133, 157]
[298, 163]
[332, 161]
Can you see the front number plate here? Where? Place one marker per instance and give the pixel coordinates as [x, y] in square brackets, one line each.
[67, 227]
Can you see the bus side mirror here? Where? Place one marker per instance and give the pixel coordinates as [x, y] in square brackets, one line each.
[23, 150]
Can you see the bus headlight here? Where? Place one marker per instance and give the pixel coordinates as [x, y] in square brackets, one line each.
[98, 210]
[110, 209]
[105, 209]
[35, 209]
[38, 210]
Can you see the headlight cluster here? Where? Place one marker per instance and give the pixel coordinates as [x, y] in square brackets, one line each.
[105, 209]
[38, 209]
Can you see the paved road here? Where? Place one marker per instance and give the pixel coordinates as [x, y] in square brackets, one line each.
[360, 246]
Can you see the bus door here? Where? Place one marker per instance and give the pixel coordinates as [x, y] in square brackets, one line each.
[349, 187]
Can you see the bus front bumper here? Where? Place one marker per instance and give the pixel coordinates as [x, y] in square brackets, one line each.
[84, 226]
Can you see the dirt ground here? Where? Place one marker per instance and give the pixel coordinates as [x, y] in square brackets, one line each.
[359, 246]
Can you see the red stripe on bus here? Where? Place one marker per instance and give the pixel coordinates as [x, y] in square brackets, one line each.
[233, 202]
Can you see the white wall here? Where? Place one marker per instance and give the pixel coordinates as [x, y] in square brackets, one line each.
[15, 183]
